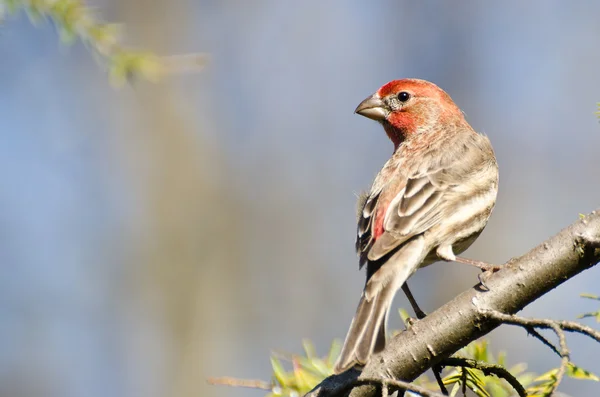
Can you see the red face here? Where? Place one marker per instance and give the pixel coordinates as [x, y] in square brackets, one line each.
[409, 105]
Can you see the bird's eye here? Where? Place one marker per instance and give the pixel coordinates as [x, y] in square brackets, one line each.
[403, 96]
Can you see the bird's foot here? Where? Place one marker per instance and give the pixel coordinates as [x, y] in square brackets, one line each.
[483, 278]
[410, 321]
[420, 314]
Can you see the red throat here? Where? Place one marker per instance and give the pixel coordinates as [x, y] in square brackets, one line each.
[395, 136]
[400, 125]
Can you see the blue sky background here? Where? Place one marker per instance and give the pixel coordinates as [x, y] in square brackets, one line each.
[156, 235]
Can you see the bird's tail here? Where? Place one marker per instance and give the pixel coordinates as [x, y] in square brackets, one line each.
[367, 330]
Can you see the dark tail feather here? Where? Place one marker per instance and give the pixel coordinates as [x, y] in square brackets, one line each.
[367, 331]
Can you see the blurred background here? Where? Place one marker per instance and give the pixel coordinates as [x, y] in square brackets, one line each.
[156, 235]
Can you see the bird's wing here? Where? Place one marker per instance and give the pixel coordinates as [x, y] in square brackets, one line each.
[409, 202]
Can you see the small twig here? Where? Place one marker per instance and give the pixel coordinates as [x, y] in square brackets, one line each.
[570, 326]
[437, 371]
[532, 331]
[396, 384]
[234, 382]
[564, 352]
[487, 369]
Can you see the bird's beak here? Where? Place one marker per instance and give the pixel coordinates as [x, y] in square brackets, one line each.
[373, 108]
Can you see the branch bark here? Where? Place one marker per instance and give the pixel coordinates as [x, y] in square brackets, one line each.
[520, 281]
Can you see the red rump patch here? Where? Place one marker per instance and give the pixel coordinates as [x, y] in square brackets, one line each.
[378, 222]
[383, 204]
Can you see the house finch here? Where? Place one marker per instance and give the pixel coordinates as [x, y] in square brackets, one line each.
[430, 201]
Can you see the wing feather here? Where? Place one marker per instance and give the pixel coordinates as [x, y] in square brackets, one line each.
[412, 195]
[415, 206]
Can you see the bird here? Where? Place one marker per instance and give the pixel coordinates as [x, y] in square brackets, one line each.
[429, 202]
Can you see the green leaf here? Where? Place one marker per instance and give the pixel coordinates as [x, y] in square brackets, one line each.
[279, 372]
[590, 296]
[479, 351]
[455, 390]
[516, 369]
[404, 316]
[304, 380]
[476, 382]
[546, 382]
[452, 379]
[547, 376]
[309, 349]
[573, 371]
[501, 358]
[334, 352]
[596, 315]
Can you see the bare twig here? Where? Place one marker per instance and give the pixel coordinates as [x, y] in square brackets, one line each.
[437, 373]
[564, 352]
[532, 331]
[250, 383]
[487, 369]
[572, 326]
[387, 384]
[569, 326]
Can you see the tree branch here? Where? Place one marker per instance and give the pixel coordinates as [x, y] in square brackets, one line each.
[462, 320]
[487, 369]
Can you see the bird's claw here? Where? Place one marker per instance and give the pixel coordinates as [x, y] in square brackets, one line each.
[484, 276]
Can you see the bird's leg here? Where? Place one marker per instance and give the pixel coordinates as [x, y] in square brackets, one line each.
[486, 268]
[481, 265]
[418, 312]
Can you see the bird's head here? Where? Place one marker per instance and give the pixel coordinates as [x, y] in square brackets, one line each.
[411, 107]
